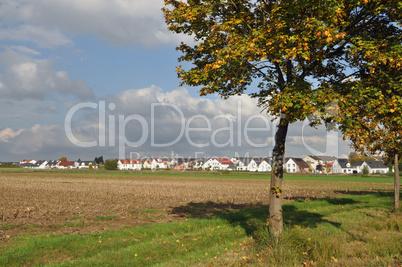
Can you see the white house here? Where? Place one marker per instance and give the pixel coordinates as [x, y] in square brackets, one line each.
[342, 166]
[375, 167]
[290, 165]
[252, 165]
[147, 164]
[219, 164]
[159, 164]
[264, 165]
[198, 163]
[87, 164]
[41, 164]
[129, 164]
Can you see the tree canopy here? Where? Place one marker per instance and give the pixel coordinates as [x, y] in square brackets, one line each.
[299, 57]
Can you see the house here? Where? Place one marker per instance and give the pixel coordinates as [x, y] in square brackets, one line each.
[41, 164]
[179, 166]
[65, 165]
[87, 165]
[147, 164]
[264, 165]
[241, 163]
[290, 165]
[159, 164]
[198, 163]
[342, 166]
[301, 165]
[28, 165]
[219, 164]
[52, 164]
[357, 166]
[375, 167]
[129, 164]
[32, 161]
[252, 165]
[317, 163]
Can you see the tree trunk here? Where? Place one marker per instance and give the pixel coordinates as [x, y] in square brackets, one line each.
[275, 198]
[396, 183]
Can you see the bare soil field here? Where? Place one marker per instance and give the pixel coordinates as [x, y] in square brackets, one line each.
[37, 203]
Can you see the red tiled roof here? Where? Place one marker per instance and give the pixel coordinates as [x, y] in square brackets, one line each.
[224, 161]
[66, 163]
[130, 161]
[329, 164]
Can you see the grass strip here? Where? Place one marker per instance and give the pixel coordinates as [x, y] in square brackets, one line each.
[355, 230]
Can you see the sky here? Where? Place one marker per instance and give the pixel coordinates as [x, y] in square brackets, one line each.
[83, 79]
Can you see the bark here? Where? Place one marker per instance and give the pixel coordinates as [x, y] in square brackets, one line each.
[396, 183]
[275, 197]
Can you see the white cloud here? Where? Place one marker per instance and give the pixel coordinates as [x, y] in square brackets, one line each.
[25, 50]
[46, 37]
[120, 22]
[8, 133]
[26, 77]
[171, 109]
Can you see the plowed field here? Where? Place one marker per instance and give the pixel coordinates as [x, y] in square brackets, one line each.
[61, 202]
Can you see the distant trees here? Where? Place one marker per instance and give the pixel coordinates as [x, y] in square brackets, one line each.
[63, 159]
[111, 164]
[355, 157]
[99, 160]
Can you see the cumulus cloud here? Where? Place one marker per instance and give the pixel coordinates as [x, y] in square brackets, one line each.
[120, 22]
[45, 37]
[8, 133]
[177, 121]
[152, 122]
[26, 77]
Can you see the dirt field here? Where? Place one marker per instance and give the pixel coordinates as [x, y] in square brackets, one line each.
[73, 202]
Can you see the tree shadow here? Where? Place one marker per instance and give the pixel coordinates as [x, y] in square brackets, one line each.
[380, 192]
[341, 201]
[254, 216]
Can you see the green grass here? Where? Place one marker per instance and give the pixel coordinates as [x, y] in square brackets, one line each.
[260, 176]
[355, 230]
[173, 243]
[215, 174]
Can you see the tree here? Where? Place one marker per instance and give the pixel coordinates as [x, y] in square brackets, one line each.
[99, 160]
[63, 159]
[294, 52]
[371, 103]
[355, 157]
[111, 164]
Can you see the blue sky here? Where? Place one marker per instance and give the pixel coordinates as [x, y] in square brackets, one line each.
[57, 54]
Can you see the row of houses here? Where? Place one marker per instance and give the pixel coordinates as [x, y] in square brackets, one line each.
[307, 164]
[56, 164]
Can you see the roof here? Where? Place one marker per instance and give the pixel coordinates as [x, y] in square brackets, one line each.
[224, 161]
[323, 158]
[329, 164]
[301, 163]
[314, 157]
[327, 158]
[343, 163]
[130, 161]
[66, 163]
[376, 164]
[357, 163]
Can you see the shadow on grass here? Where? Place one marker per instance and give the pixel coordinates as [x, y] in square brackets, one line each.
[380, 192]
[341, 201]
[253, 216]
